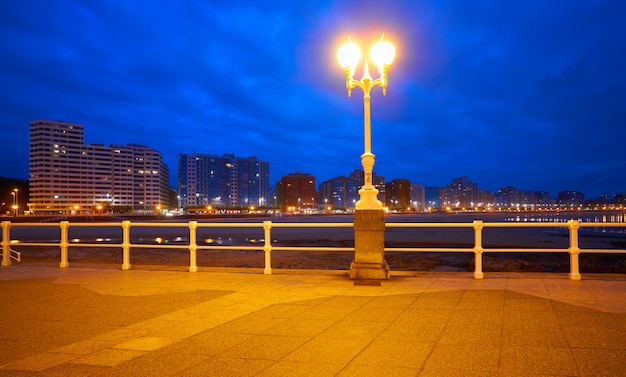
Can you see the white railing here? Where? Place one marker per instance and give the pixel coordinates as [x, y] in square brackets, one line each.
[573, 250]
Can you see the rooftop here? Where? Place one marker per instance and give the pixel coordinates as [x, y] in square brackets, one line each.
[98, 320]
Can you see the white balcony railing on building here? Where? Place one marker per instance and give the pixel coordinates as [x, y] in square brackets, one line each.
[573, 226]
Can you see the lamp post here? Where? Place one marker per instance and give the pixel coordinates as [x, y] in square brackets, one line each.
[369, 219]
[16, 203]
[349, 55]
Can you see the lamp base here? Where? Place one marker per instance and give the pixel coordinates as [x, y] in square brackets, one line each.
[369, 246]
[369, 271]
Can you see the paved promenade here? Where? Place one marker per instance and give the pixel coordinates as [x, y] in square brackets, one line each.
[98, 320]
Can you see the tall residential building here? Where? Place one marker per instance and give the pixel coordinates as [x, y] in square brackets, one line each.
[338, 192]
[296, 191]
[222, 181]
[486, 199]
[571, 199]
[378, 181]
[398, 194]
[543, 199]
[461, 193]
[67, 176]
[511, 197]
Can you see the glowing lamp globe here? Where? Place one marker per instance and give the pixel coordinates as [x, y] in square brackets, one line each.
[349, 55]
[383, 53]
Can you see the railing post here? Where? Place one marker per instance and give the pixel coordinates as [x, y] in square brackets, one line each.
[478, 249]
[267, 247]
[126, 245]
[574, 249]
[193, 246]
[64, 225]
[6, 246]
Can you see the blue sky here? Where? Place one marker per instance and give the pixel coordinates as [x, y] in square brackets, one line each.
[526, 94]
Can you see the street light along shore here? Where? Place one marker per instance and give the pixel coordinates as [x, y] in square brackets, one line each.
[369, 219]
[349, 55]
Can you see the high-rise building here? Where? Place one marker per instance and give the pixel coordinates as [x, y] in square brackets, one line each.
[571, 199]
[378, 182]
[338, 192]
[511, 197]
[67, 176]
[486, 200]
[222, 181]
[398, 195]
[461, 193]
[296, 191]
[150, 176]
[542, 199]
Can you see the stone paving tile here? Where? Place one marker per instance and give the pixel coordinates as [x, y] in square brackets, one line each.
[39, 362]
[20, 349]
[320, 350]
[347, 329]
[209, 343]
[471, 317]
[375, 371]
[226, 367]
[265, 347]
[459, 359]
[394, 353]
[480, 302]
[527, 304]
[538, 361]
[145, 343]
[395, 301]
[108, 357]
[69, 369]
[376, 313]
[431, 301]
[156, 364]
[472, 335]
[84, 347]
[601, 362]
[299, 327]
[417, 332]
[424, 316]
[290, 369]
[519, 334]
[323, 311]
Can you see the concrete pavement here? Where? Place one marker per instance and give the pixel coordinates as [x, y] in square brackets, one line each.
[96, 320]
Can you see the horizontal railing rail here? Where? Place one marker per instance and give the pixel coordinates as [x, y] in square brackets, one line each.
[573, 226]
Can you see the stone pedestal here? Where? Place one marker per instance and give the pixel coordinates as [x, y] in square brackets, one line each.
[369, 244]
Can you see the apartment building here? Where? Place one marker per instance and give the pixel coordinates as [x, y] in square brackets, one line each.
[296, 192]
[67, 176]
[338, 192]
[222, 181]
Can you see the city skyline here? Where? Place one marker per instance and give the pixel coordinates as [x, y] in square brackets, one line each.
[523, 95]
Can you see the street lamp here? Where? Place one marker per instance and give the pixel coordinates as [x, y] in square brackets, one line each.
[16, 203]
[349, 55]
